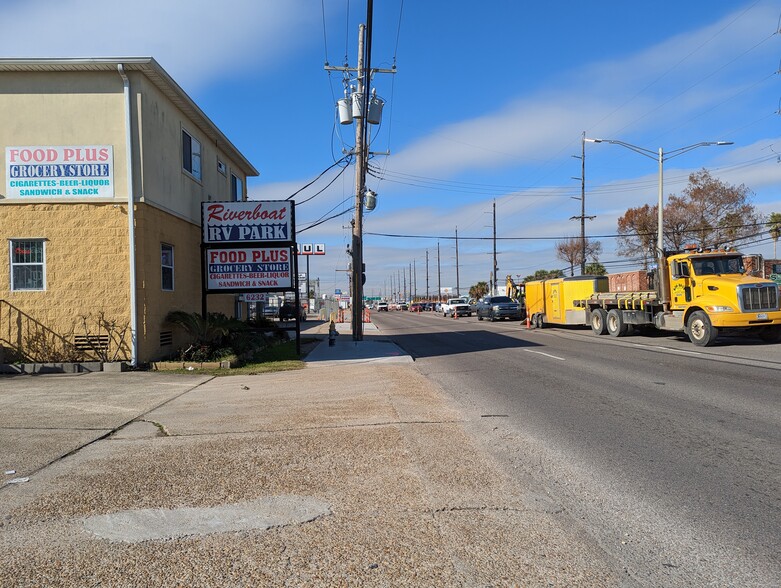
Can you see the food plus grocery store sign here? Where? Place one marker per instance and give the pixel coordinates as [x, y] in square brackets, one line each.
[249, 269]
[74, 171]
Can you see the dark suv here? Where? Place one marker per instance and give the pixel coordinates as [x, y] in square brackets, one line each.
[498, 307]
[287, 312]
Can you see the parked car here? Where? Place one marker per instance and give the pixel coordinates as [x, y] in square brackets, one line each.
[498, 307]
[287, 312]
[416, 307]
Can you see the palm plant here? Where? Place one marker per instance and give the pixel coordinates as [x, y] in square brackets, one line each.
[203, 331]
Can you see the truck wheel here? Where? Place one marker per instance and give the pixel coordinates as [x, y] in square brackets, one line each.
[700, 330]
[599, 321]
[771, 334]
[493, 318]
[479, 316]
[615, 323]
[539, 323]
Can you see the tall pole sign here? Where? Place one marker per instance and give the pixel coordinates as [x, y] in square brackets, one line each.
[249, 247]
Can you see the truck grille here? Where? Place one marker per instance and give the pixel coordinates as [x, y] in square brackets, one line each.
[758, 298]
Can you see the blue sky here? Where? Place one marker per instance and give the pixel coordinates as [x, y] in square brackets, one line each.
[489, 103]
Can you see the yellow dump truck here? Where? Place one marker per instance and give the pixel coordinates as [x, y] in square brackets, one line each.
[701, 293]
[555, 301]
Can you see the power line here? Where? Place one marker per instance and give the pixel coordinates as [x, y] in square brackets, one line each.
[328, 185]
[326, 170]
[530, 191]
[560, 237]
[313, 225]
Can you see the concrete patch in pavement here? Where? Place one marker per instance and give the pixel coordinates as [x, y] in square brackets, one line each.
[134, 526]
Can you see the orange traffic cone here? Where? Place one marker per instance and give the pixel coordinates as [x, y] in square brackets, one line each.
[528, 322]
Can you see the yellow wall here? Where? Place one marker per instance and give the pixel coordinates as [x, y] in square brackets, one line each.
[86, 263]
[87, 270]
[155, 228]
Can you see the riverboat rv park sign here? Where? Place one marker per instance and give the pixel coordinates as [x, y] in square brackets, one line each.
[249, 249]
[248, 246]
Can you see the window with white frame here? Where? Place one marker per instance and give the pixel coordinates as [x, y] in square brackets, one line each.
[28, 264]
[237, 188]
[167, 266]
[191, 155]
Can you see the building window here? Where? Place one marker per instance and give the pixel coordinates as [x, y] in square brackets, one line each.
[237, 189]
[28, 264]
[167, 265]
[221, 168]
[191, 155]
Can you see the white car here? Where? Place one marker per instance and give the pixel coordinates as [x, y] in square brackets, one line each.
[382, 306]
[459, 306]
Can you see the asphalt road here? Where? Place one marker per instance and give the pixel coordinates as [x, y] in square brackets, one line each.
[666, 453]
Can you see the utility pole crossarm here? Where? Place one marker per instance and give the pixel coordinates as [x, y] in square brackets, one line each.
[355, 69]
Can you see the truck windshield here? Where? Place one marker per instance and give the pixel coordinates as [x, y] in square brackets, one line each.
[727, 264]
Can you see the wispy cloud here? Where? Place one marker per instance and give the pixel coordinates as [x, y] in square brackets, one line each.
[195, 41]
[660, 87]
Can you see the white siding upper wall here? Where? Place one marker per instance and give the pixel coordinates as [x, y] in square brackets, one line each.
[166, 183]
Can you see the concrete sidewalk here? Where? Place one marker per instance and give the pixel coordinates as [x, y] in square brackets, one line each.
[373, 348]
[350, 472]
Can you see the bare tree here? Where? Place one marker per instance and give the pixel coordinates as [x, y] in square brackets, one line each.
[637, 233]
[571, 251]
[720, 213]
[708, 212]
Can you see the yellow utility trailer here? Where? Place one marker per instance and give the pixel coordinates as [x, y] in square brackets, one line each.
[553, 301]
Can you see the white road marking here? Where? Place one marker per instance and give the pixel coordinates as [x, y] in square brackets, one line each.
[546, 354]
[662, 348]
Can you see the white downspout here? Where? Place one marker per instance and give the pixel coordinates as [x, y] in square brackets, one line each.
[130, 221]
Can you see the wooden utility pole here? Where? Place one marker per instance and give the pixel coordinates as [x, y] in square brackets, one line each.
[439, 277]
[427, 291]
[360, 181]
[458, 281]
[582, 199]
[496, 267]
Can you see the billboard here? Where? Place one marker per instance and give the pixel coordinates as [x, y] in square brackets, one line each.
[253, 268]
[73, 171]
[247, 222]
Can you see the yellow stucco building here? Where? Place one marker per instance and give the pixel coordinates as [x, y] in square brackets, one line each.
[80, 264]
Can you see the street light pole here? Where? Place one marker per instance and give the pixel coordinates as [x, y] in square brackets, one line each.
[661, 157]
